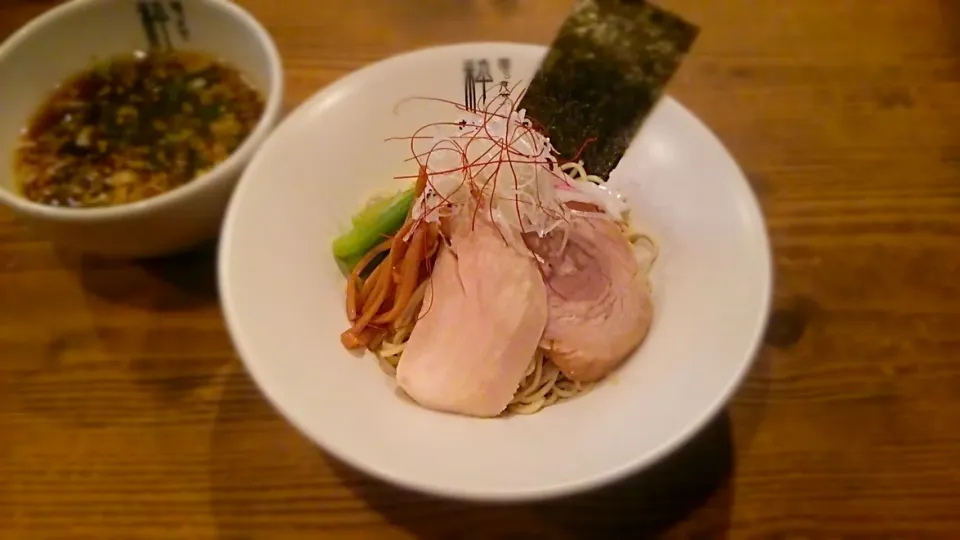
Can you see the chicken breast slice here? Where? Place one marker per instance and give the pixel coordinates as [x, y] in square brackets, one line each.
[482, 319]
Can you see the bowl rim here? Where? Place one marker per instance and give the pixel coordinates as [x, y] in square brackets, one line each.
[611, 474]
[232, 166]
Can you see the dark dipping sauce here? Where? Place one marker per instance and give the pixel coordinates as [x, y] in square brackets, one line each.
[134, 127]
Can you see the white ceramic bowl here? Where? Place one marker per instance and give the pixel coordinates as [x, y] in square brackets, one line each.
[283, 295]
[64, 41]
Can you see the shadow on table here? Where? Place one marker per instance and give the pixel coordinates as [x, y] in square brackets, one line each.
[175, 283]
[692, 482]
[267, 481]
[152, 366]
[950, 14]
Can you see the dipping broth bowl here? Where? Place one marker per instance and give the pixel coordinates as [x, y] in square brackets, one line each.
[65, 41]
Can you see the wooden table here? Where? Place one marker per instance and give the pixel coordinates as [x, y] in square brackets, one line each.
[124, 412]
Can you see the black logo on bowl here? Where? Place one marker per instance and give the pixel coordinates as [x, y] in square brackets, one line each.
[160, 18]
[477, 76]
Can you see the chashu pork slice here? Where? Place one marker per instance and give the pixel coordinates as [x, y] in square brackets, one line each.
[599, 299]
[482, 319]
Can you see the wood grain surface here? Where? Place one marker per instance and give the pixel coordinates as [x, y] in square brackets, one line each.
[124, 412]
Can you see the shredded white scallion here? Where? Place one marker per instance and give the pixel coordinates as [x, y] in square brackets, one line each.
[510, 168]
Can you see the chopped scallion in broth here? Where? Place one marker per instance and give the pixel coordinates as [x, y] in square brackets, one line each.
[134, 127]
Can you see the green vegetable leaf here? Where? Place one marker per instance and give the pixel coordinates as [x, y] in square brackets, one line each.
[377, 206]
[371, 226]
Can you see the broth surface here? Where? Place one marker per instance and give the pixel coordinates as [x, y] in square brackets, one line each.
[134, 127]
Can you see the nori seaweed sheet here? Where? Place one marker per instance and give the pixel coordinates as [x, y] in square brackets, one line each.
[603, 74]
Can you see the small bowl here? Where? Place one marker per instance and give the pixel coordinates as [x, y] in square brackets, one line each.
[283, 293]
[64, 41]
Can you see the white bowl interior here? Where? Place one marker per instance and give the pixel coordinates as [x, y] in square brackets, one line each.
[284, 295]
[67, 39]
